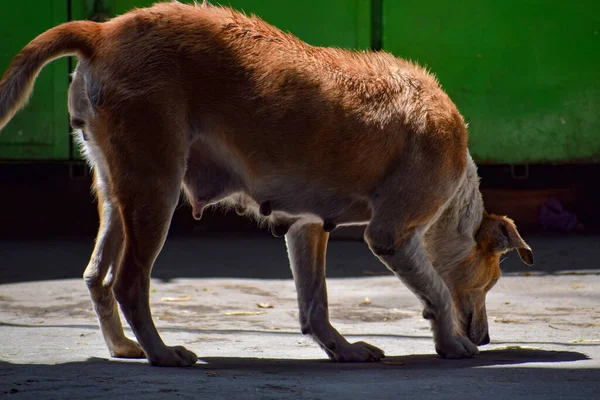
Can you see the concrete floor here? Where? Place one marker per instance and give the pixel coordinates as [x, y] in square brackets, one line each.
[544, 324]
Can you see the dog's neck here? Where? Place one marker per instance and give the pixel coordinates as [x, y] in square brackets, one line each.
[451, 239]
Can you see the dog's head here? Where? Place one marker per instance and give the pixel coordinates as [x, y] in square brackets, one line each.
[472, 278]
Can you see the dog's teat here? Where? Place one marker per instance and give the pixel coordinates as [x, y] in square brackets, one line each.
[197, 209]
[265, 208]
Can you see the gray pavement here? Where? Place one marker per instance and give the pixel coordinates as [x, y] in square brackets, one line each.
[544, 326]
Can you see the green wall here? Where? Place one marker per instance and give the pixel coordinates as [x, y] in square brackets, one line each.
[41, 129]
[525, 74]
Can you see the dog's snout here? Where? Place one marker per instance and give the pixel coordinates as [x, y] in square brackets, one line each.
[485, 340]
[475, 331]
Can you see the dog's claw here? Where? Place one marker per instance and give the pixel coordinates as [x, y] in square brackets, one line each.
[457, 347]
[177, 356]
[356, 352]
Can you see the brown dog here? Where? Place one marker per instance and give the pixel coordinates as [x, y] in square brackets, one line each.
[234, 110]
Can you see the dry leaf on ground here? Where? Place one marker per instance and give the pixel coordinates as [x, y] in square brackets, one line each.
[176, 299]
[244, 313]
[365, 302]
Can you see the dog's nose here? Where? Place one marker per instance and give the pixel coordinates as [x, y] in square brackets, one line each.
[485, 340]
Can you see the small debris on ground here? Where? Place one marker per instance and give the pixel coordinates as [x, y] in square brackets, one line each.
[229, 314]
[558, 329]
[365, 302]
[585, 341]
[392, 362]
[176, 299]
[514, 347]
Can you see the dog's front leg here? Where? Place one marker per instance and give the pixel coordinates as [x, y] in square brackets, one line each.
[406, 256]
[307, 244]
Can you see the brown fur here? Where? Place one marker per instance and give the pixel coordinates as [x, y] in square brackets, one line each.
[235, 111]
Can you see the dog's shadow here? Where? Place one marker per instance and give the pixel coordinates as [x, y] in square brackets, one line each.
[314, 367]
[504, 357]
[271, 378]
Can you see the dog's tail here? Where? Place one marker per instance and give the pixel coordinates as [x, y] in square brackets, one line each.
[71, 38]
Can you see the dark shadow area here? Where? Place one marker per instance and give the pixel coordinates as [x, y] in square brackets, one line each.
[52, 200]
[49, 201]
[238, 255]
[49, 221]
[571, 183]
[493, 375]
[420, 361]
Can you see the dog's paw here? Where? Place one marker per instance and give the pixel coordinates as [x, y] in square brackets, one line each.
[457, 347]
[127, 348]
[356, 352]
[177, 356]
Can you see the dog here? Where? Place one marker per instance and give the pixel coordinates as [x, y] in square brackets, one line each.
[232, 110]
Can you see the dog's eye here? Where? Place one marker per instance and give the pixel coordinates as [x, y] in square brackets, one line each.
[77, 123]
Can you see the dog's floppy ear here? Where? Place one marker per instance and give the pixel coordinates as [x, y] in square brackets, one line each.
[499, 234]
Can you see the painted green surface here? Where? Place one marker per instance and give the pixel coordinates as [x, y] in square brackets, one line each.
[340, 23]
[525, 74]
[41, 129]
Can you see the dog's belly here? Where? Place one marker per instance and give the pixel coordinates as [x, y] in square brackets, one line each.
[299, 196]
[215, 175]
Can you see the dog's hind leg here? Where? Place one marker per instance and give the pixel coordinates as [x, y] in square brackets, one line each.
[307, 244]
[146, 161]
[100, 272]
[147, 201]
